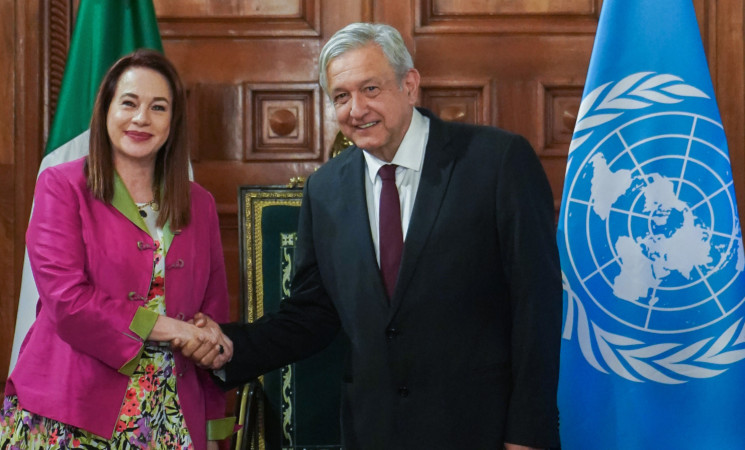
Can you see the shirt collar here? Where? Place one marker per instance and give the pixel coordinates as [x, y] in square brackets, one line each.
[410, 153]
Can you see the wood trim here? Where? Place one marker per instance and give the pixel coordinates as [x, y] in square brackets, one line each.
[28, 138]
[428, 21]
[728, 76]
[487, 108]
[57, 32]
[305, 24]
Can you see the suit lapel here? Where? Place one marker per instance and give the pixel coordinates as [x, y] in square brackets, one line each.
[352, 178]
[438, 165]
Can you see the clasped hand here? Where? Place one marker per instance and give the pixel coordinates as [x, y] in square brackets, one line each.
[204, 343]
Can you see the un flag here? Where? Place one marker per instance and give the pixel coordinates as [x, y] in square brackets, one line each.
[653, 349]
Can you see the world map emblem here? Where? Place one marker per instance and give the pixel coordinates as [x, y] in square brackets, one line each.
[652, 239]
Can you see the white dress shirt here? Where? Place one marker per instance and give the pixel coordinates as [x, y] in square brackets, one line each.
[409, 158]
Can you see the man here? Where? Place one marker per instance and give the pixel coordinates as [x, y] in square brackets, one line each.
[457, 348]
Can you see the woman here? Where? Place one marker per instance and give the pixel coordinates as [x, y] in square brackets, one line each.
[124, 250]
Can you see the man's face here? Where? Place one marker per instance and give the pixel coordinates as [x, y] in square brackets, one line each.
[372, 109]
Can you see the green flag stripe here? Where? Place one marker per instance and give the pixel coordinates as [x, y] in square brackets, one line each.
[104, 31]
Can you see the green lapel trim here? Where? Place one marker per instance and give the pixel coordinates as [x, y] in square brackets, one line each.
[167, 237]
[123, 202]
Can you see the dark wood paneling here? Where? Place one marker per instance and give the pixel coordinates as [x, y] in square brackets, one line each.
[216, 117]
[6, 83]
[511, 7]
[284, 122]
[22, 63]
[7, 189]
[193, 19]
[8, 299]
[59, 21]
[729, 83]
[463, 100]
[506, 17]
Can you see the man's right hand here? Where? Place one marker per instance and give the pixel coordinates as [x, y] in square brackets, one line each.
[205, 355]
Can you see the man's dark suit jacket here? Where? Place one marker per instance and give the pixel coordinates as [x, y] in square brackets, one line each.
[466, 353]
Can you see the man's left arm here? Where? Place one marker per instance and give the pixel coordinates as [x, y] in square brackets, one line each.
[527, 240]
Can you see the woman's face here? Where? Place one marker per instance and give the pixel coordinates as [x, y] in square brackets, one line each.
[139, 116]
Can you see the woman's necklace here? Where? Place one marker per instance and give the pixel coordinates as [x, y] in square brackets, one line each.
[152, 204]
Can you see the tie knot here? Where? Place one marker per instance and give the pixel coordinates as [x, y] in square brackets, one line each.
[388, 172]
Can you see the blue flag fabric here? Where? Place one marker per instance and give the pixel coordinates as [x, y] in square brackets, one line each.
[653, 343]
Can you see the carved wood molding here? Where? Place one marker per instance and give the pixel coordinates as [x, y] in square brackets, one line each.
[58, 20]
[284, 121]
[462, 100]
[255, 122]
[558, 103]
[706, 11]
[305, 23]
[430, 20]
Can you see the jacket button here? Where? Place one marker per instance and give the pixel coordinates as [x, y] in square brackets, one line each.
[391, 333]
[403, 391]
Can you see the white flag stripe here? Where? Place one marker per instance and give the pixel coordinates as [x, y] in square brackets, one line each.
[74, 149]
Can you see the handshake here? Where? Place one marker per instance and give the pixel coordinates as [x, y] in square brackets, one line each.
[202, 341]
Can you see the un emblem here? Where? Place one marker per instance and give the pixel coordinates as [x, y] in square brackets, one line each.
[652, 238]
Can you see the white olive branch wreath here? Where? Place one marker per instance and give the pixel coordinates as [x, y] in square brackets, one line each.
[635, 361]
[667, 363]
[636, 91]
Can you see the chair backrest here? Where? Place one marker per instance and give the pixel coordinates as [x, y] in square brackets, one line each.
[297, 406]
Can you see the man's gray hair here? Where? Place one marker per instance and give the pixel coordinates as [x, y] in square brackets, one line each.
[357, 35]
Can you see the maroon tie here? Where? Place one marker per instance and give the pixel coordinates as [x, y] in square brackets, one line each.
[390, 233]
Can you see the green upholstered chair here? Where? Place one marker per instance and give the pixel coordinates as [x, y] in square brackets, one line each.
[296, 407]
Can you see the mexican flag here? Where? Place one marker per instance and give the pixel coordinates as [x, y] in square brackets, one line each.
[104, 31]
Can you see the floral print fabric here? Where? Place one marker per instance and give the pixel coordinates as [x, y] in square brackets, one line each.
[150, 417]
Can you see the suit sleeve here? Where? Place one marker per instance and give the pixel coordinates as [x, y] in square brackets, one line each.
[86, 318]
[305, 324]
[528, 243]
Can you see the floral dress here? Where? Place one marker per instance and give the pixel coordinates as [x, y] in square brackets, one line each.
[150, 416]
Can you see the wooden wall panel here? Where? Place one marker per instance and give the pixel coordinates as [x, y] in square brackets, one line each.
[22, 131]
[59, 22]
[536, 53]
[7, 188]
[506, 16]
[463, 100]
[216, 122]
[248, 18]
[7, 82]
[727, 47]
[8, 300]
[197, 9]
[497, 7]
[537, 84]
[285, 122]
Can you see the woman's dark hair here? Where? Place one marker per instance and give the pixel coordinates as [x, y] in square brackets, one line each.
[171, 178]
